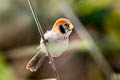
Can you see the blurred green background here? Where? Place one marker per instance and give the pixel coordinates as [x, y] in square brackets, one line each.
[19, 38]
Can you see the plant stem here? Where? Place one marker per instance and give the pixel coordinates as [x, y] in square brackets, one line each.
[42, 36]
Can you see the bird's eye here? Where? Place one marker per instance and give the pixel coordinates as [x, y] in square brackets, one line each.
[66, 25]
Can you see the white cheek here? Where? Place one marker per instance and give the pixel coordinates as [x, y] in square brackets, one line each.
[68, 33]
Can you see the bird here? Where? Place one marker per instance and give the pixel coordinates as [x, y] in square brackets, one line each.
[58, 36]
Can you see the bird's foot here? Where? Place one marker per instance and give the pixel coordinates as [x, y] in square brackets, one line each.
[50, 61]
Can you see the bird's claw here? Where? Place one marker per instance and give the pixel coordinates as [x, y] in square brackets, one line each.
[50, 61]
[45, 41]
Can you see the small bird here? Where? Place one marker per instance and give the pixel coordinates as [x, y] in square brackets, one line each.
[57, 36]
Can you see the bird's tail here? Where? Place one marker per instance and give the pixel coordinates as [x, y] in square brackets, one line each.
[36, 62]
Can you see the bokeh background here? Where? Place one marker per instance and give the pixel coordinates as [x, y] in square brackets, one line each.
[19, 38]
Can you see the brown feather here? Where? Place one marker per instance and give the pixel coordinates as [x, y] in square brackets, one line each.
[36, 62]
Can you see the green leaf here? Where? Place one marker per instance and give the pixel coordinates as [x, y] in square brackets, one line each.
[5, 71]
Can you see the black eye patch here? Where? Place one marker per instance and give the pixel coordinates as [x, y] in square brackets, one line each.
[62, 29]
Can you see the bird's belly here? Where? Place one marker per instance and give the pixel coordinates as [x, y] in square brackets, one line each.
[57, 48]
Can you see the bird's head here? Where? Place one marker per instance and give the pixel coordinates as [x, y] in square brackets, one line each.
[63, 26]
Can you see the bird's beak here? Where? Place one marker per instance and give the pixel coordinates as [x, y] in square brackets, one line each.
[70, 27]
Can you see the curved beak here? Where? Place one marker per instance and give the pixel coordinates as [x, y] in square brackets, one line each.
[70, 27]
